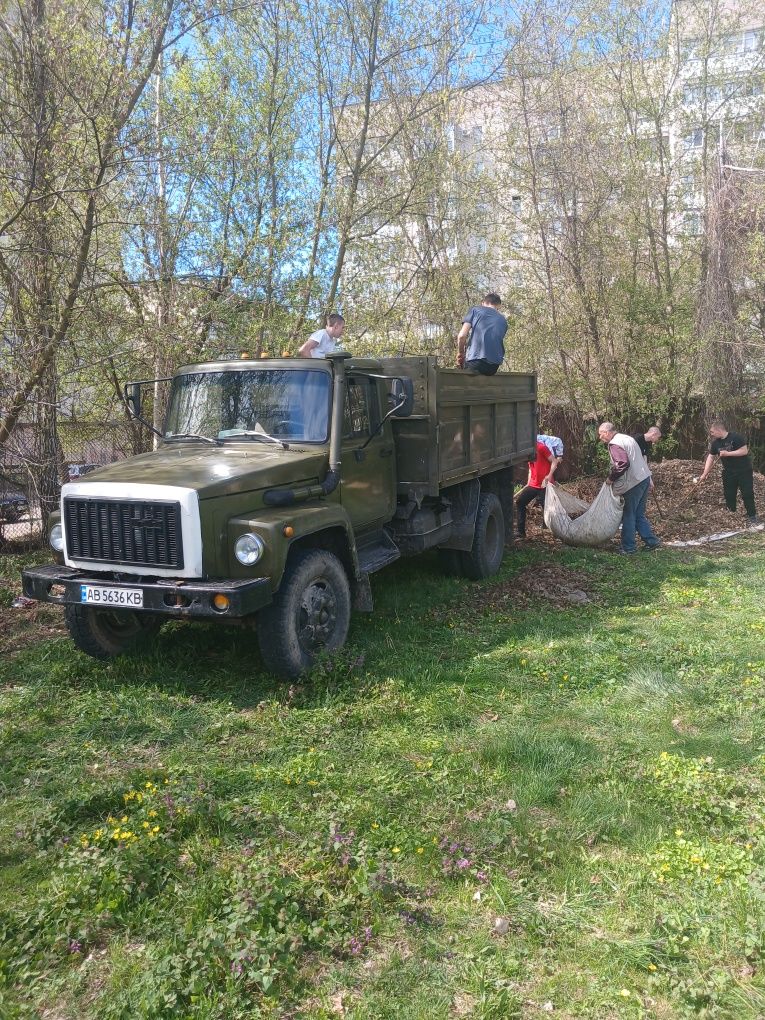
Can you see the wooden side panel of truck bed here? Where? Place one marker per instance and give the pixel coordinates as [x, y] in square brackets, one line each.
[463, 425]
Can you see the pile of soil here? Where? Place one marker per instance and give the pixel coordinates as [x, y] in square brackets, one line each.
[679, 510]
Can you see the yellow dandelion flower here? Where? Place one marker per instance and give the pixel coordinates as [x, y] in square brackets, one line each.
[152, 813]
[124, 819]
[155, 830]
[396, 850]
[420, 850]
[625, 993]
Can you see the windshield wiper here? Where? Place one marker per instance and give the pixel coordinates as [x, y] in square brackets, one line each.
[252, 434]
[192, 435]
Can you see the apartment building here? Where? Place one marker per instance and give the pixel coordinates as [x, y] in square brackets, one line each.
[540, 163]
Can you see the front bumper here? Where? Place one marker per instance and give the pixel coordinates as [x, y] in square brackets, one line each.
[171, 598]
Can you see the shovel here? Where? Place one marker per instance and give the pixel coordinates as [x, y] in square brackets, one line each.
[658, 505]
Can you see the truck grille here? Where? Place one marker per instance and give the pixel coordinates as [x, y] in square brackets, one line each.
[143, 532]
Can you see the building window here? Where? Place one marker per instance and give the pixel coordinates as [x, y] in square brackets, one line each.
[750, 41]
[693, 94]
[695, 138]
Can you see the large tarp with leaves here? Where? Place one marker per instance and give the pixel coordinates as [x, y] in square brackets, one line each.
[596, 525]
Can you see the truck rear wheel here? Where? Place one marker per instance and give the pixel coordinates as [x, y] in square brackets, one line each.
[104, 633]
[310, 614]
[485, 556]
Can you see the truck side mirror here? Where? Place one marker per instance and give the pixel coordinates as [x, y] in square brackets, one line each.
[401, 397]
[133, 398]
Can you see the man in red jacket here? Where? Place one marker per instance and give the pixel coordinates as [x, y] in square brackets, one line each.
[541, 472]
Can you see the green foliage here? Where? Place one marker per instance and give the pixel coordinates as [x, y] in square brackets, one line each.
[693, 787]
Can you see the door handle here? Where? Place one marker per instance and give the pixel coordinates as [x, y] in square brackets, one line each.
[386, 451]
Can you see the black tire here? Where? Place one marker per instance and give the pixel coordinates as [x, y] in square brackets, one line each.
[485, 556]
[450, 562]
[105, 633]
[310, 614]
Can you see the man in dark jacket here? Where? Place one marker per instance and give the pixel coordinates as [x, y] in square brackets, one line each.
[645, 440]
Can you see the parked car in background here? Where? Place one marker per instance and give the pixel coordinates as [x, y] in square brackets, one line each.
[13, 506]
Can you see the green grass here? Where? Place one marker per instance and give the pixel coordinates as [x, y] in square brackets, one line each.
[587, 776]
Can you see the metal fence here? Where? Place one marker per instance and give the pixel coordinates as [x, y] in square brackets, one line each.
[84, 446]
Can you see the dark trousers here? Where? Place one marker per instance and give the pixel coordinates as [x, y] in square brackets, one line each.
[634, 518]
[483, 366]
[526, 496]
[743, 482]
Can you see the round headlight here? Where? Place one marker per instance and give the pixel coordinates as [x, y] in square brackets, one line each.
[248, 549]
[56, 537]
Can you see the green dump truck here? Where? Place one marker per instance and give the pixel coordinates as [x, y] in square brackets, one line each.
[278, 487]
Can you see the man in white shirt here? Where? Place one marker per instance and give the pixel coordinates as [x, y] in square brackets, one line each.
[322, 342]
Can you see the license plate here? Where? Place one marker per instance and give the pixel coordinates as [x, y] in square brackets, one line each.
[129, 598]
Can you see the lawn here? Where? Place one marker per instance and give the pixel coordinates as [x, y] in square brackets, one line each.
[495, 804]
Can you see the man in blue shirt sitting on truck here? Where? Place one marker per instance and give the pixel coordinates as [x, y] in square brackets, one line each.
[486, 329]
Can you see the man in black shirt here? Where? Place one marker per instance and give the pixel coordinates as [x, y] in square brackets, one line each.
[737, 475]
[645, 440]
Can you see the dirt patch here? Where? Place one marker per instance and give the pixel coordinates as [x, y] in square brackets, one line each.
[29, 625]
[547, 582]
[678, 509]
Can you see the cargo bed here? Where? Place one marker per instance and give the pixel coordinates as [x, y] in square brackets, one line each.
[463, 425]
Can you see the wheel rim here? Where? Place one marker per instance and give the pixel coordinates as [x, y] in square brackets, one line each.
[317, 615]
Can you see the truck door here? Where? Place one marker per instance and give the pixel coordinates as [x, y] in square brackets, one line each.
[368, 486]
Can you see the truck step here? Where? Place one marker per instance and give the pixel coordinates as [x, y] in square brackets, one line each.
[377, 552]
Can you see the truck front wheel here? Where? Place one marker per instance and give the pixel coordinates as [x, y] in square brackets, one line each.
[310, 614]
[104, 633]
[485, 556]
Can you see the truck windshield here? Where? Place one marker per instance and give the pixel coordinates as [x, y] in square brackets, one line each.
[288, 404]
